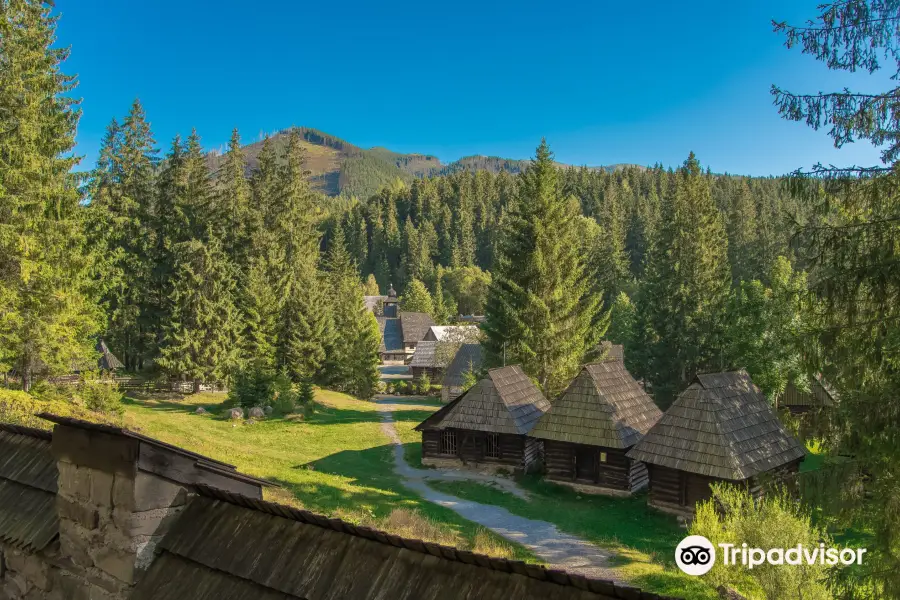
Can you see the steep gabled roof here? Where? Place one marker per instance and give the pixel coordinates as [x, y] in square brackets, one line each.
[415, 325]
[392, 337]
[229, 547]
[469, 356]
[28, 479]
[720, 426]
[505, 401]
[108, 360]
[427, 356]
[603, 406]
[452, 333]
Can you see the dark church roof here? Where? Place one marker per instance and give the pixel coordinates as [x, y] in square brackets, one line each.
[415, 325]
[28, 476]
[229, 547]
[392, 293]
[603, 406]
[506, 401]
[720, 426]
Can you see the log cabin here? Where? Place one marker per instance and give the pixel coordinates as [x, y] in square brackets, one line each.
[720, 429]
[589, 430]
[487, 426]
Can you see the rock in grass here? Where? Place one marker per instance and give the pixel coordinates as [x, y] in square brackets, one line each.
[200, 411]
[268, 410]
[257, 413]
[236, 413]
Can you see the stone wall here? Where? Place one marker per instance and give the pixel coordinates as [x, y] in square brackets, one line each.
[111, 517]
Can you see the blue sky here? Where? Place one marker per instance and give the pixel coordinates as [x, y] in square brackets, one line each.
[605, 82]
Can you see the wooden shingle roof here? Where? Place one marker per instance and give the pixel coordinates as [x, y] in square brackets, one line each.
[469, 356]
[108, 360]
[603, 406]
[427, 356]
[506, 401]
[228, 547]
[392, 337]
[720, 426]
[820, 394]
[415, 325]
[28, 480]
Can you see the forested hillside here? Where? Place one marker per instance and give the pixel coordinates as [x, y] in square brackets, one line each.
[338, 168]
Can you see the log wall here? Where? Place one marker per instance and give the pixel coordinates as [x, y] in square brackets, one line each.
[617, 472]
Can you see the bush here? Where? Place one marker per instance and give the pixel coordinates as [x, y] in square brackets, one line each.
[286, 398]
[99, 394]
[20, 408]
[423, 384]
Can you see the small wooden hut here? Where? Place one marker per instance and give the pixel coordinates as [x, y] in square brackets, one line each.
[487, 425]
[721, 428]
[589, 430]
[819, 396]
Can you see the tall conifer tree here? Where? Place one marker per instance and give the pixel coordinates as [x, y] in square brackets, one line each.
[682, 302]
[541, 310]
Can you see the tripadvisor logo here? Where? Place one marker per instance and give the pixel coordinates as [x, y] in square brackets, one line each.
[696, 555]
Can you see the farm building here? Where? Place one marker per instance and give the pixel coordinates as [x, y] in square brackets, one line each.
[107, 360]
[430, 358]
[721, 428]
[413, 327]
[820, 395]
[468, 359]
[487, 426]
[91, 511]
[589, 430]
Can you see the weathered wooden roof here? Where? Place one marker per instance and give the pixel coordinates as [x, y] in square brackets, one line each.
[469, 356]
[603, 406]
[108, 360]
[506, 401]
[820, 394]
[372, 301]
[720, 426]
[229, 547]
[613, 350]
[453, 333]
[414, 326]
[28, 480]
[427, 356]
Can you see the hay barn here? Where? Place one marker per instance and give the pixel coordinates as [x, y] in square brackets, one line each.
[590, 428]
[721, 428]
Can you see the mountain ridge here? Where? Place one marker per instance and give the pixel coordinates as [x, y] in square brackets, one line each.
[340, 168]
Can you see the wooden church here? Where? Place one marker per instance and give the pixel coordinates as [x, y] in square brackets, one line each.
[721, 428]
[589, 430]
[487, 426]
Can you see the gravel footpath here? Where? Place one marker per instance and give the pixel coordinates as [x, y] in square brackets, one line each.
[559, 550]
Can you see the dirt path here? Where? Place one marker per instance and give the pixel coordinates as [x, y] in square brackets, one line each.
[557, 549]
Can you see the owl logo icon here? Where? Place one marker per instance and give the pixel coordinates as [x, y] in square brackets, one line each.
[695, 555]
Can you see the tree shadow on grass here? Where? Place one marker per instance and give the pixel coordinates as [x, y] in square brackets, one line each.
[328, 415]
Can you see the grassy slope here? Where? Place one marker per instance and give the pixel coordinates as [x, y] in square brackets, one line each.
[337, 463]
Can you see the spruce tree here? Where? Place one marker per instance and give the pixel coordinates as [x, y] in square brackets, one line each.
[352, 363]
[444, 305]
[417, 299]
[612, 262]
[370, 287]
[259, 309]
[234, 203]
[682, 301]
[201, 338]
[47, 307]
[541, 309]
[742, 235]
[304, 320]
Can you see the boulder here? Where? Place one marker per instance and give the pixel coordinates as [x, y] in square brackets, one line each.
[236, 413]
[268, 410]
[257, 413]
[200, 411]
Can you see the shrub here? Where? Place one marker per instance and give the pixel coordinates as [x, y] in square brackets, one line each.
[20, 408]
[99, 394]
[732, 515]
[286, 398]
[423, 384]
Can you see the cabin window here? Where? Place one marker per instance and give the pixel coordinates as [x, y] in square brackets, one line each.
[603, 457]
[448, 442]
[493, 446]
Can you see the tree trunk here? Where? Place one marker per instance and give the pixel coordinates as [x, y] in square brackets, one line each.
[196, 386]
